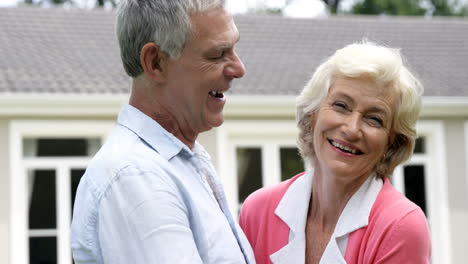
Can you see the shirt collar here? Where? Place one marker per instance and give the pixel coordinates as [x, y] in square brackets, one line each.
[356, 213]
[200, 150]
[151, 132]
[293, 208]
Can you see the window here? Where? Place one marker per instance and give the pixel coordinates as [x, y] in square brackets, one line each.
[291, 162]
[264, 163]
[260, 154]
[268, 149]
[249, 170]
[49, 169]
[466, 153]
[48, 160]
[415, 185]
[423, 180]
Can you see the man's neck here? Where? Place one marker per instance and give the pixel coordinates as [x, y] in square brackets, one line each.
[148, 105]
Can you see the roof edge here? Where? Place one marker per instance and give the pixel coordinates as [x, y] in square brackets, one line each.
[63, 105]
[252, 106]
[237, 106]
[444, 106]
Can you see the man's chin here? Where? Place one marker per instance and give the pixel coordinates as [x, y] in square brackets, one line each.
[215, 122]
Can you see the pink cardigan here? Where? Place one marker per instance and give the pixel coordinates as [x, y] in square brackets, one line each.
[397, 231]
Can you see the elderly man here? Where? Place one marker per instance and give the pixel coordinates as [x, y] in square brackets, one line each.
[151, 194]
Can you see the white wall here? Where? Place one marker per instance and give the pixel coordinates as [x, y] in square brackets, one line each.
[457, 186]
[4, 192]
[208, 140]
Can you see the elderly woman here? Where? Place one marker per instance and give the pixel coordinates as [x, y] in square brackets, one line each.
[357, 118]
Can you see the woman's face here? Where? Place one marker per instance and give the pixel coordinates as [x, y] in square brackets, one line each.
[352, 128]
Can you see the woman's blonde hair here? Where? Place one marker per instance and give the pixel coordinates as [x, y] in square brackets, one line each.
[385, 67]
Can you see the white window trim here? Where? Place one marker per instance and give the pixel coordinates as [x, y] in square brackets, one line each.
[437, 183]
[255, 133]
[62, 167]
[466, 154]
[18, 129]
[436, 187]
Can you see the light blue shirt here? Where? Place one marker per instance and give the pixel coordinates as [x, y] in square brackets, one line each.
[144, 199]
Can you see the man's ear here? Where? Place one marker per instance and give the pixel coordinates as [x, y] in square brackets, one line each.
[152, 60]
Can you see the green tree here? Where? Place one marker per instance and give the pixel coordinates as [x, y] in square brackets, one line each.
[101, 3]
[411, 7]
[444, 8]
[332, 5]
[42, 2]
[98, 3]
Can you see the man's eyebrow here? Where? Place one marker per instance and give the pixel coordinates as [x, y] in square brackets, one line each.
[224, 44]
[227, 45]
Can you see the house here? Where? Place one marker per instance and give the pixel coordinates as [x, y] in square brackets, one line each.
[62, 85]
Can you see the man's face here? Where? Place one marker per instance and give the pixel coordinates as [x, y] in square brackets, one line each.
[197, 80]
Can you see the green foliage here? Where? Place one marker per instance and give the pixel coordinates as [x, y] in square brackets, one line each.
[266, 11]
[98, 3]
[444, 8]
[332, 5]
[389, 7]
[411, 7]
[41, 2]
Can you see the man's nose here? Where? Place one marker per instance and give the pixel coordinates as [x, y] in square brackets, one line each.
[236, 68]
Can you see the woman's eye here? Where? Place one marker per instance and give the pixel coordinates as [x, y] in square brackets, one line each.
[340, 105]
[376, 120]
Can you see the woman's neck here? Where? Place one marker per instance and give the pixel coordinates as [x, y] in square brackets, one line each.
[330, 194]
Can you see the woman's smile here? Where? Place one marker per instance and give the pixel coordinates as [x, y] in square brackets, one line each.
[352, 127]
[343, 147]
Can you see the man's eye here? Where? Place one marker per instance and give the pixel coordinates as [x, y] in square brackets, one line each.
[218, 55]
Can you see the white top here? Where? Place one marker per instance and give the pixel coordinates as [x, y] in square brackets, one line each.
[293, 208]
[144, 199]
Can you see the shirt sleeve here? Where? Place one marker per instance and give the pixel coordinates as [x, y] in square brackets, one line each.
[144, 215]
[408, 241]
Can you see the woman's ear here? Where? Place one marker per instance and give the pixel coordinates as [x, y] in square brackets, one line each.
[391, 140]
[312, 119]
[152, 60]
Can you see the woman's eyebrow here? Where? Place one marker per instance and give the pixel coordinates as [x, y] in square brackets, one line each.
[342, 94]
[379, 110]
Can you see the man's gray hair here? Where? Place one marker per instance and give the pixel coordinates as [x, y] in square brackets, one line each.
[164, 22]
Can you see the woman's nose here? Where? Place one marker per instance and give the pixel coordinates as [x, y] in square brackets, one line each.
[352, 127]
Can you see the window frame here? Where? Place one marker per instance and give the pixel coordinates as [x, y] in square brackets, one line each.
[20, 129]
[252, 133]
[435, 173]
[466, 154]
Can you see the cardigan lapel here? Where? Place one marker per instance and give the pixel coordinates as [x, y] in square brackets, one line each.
[292, 209]
[355, 215]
